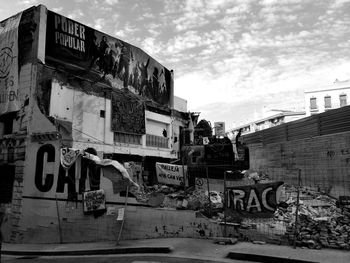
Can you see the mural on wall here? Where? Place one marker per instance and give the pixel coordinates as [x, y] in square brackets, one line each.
[128, 114]
[108, 59]
[258, 200]
[9, 99]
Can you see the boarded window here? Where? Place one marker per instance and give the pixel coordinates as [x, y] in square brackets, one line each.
[313, 103]
[327, 102]
[343, 100]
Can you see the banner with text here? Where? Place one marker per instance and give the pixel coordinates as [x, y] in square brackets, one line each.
[100, 57]
[171, 174]
[9, 100]
[94, 201]
[257, 200]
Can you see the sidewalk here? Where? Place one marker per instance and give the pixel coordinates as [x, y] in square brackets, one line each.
[183, 247]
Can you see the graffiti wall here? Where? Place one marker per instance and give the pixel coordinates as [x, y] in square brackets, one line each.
[9, 100]
[101, 57]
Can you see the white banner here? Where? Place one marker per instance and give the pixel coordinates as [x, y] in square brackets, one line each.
[9, 100]
[171, 174]
[69, 156]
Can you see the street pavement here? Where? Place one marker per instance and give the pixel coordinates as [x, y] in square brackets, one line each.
[196, 249]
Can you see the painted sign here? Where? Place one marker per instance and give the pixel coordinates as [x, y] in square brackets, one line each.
[9, 100]
[254, 200]
[94, 201]
[90, 170]
[106, 59]
[171, 174]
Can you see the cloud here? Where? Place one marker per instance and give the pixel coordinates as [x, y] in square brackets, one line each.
[57, 9]
[99, 23]
[75, 14]
[150, 45]
[128, 31]
[111, 2]
[29, 2]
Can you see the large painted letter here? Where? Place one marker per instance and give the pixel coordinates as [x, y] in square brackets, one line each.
[44, 180]
[253, 198]
[264, 199]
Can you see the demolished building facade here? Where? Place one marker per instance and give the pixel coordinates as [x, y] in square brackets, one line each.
[77, 88]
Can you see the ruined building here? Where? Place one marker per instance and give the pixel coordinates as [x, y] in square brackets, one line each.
[64, 84]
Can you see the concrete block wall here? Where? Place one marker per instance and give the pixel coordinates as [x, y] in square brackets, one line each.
[140, 222]
[324, 162]
[160, 223]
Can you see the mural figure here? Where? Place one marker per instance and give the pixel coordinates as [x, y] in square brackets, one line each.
[126, 57]
[110, 60]
[98, 52]
[143, 77]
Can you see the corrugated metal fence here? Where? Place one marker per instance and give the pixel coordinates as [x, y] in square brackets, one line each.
[330, 122]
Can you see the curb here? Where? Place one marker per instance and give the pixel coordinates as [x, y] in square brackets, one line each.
[134, 250]
[264, 258]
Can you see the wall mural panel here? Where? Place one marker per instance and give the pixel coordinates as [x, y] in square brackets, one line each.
[103, 58]
[128, 114]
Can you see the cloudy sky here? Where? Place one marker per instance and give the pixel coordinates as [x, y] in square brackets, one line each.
[231, 58]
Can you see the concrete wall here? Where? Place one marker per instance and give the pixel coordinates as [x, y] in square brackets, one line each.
[83, 110]
[41, 215]
[140, 222]
[324, 162]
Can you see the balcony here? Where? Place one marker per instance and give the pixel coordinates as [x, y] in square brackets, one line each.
[156, 141]
[126, 138]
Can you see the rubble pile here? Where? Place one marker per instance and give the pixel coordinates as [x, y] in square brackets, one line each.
[331, 232]
[178, 198]
[320, 222]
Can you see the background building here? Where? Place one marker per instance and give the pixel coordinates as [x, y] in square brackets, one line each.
[271, 118]
[321, 99]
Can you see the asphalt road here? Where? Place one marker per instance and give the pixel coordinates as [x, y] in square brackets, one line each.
[109, 259]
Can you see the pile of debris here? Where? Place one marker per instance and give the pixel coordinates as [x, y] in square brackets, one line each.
[328, 232]
[179, 198]
[320, 222]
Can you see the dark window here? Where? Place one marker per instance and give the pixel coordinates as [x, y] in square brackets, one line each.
[327, 102]
[6, 183]
[313, 103]
[7, 120]
[343, 100]
[102, 113]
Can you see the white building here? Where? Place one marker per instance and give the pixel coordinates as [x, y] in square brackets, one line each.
[321, 99]
[271, 118]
